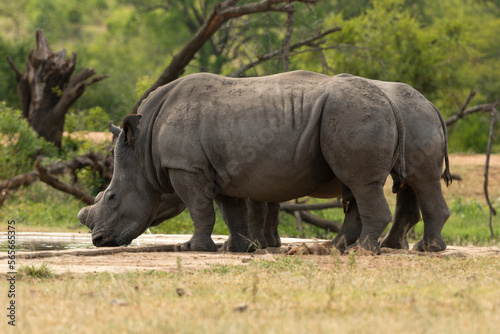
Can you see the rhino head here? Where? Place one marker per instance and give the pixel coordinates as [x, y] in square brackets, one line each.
[130, 204]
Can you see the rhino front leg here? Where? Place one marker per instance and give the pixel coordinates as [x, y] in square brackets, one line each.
[235, 213]
[351, 228]
[257, 214]
[198, 195]
[271, 227]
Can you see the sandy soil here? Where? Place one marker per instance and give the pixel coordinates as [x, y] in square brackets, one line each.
[163, 255]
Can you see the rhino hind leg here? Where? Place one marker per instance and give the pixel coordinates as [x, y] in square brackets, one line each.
[235, 214]
[271, 227]
[406, 216]
[435, 213]
[375, 214]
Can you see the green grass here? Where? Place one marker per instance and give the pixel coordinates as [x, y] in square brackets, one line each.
[290, 294]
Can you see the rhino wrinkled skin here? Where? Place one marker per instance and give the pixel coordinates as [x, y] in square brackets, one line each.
[270, 139]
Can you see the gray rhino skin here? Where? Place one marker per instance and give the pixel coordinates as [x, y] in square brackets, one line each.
[410, 104]
[253, 225]
[425, 148]
[267, 139]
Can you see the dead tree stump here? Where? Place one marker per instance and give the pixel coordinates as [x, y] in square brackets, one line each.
[47, 88]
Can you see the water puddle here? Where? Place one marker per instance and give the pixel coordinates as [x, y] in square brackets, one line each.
[43, 245]
[33, 242]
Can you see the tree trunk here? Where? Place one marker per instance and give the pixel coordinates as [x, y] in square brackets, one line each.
[47, 90]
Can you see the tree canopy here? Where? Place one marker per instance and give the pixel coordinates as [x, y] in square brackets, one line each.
[442, 48]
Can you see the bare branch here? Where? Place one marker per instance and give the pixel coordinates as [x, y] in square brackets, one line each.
[220, 14]
[486, 170]
[101, 164]
[285, 46]
[14, 68]
[275, 54]
[487, 107]
[467, 101]
[59, 185]
[287, 206]
[326, 224]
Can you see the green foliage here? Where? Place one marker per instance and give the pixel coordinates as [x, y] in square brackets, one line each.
[92, 119]
[20, 143]
[440, 48]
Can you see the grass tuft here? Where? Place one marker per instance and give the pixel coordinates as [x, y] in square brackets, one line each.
[40, 272]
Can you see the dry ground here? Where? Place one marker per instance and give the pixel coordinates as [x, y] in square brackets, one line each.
[164, 257]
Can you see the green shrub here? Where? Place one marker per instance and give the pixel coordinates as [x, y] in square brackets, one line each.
[43, 271]
[20, 143]
[93, 119]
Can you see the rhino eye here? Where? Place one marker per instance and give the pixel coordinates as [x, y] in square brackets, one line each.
[110, 196]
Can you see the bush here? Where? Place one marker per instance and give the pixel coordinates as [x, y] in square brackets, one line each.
[21, 145]
[93, 119]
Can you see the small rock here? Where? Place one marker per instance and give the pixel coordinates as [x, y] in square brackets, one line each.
[119, 302]
[181, 292]
[241, 307]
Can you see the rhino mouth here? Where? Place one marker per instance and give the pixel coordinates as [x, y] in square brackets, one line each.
[101, 240]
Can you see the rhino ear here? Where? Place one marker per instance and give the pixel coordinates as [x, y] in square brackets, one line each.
[114, 129]
[129, 125]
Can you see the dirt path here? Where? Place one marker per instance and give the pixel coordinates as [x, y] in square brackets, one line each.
[163, 255]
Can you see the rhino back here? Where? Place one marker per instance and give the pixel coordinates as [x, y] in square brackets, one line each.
[244, 131]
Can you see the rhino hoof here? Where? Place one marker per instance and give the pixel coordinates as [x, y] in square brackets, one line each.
[370, 246]
[242, 247]
[193, 246]
[395, 244]
[434, 245]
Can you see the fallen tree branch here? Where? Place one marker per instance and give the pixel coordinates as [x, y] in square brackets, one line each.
[486, 171]
[299, 211]
[328, 225]
[59, 185]
[99, 163]
[286, 206]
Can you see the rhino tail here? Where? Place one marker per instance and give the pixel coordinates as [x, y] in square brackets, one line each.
[446, 174]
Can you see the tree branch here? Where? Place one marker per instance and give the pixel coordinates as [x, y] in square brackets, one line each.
[299, 211]
[486, 170]
[220, 14]
[74, 89]
[102, 164]
[276, 53]
[285, 46]
[14, 68]
[487, 107]
[329, 225]
[57, 184]
[286, 206]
